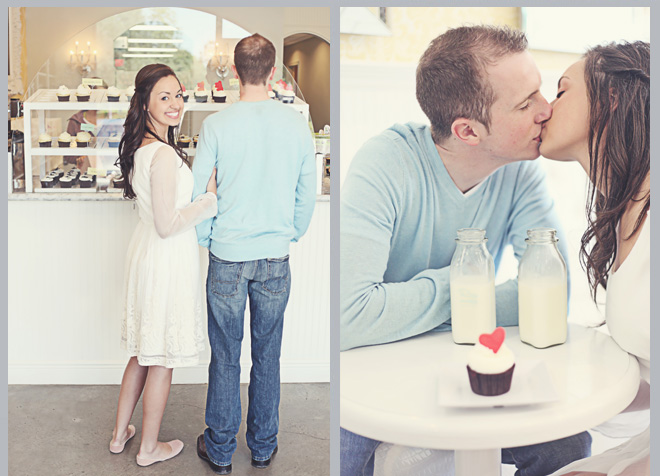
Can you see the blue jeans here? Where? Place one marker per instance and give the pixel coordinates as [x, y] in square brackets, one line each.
[267, 283]
[357, 454]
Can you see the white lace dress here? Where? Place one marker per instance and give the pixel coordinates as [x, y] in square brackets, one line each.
[163, 316]
[628, 317]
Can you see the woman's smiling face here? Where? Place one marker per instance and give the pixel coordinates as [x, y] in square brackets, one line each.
[165, 104]
[565, 134]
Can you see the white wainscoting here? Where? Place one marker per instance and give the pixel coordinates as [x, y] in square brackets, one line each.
[374, 96]
[66, 262]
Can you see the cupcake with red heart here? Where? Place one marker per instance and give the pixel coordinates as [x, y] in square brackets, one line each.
[218, 93]
[490, 365]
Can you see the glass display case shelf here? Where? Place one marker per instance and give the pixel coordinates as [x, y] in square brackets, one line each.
[44, 101]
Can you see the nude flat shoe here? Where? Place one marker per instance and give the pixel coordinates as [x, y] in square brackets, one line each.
[177, 447]
[116, 449]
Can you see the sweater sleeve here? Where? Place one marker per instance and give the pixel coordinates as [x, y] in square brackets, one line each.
[168, 219]
[205, 160]
[305, 189]
[532, 207]
[374, 311]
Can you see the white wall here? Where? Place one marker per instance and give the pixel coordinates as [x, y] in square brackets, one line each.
[66, 262]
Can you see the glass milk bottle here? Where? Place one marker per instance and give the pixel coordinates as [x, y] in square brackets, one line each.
[472, 287]
[542, 290]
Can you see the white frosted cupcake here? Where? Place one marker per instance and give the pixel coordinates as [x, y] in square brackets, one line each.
[219, 96]
[63, 94]
[45, 140]
[130, 91]
[83, 93]
[83, 138]
[64, 139]
[113, 94]
[490, 364]
[287, 96]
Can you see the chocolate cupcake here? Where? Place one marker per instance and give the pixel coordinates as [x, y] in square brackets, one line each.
[66, 182]
[86, 181]
[491, 364]
[183, 141]
[45, 140]
[48, 182]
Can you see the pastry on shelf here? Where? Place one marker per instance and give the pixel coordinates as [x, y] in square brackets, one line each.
[113, 94]
[48, 182]
[45, 140]
[64, 139]
[201, 94]
[83, 138]
[118, 181]
[195, 139]
[183, 141]
[86, 181]
[83, 93]
[287, 96]
[114, 139]
[218, 93]
[184, 94]
[63, 94]
[130, 91]
[66, 182]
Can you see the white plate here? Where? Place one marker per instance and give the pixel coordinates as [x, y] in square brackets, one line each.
[531, 384]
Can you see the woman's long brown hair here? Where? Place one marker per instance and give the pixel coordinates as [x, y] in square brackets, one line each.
[618, 86]
[137, 125]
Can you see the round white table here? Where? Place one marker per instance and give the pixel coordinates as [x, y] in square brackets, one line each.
[390, 393]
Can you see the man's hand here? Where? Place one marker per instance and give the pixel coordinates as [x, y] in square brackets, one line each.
[212, 186]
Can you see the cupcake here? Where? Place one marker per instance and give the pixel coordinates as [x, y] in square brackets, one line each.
[271, 94]
[113, 94]
[66, 182]
[183, 141]
[287, 96]
[490, 365]
[86, 181]
[63, 94]
[184, 93]
[45, 140]
[48, 182]
[57, 172]
[201, 94]
[195, 140]
[129, 92]
[218, 93]
[83, 93]
[64, 139]
[113, 140]
[83, 139]
[118, 181]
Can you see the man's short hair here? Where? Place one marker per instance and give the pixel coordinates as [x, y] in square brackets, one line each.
[452, 81]
[254, 58]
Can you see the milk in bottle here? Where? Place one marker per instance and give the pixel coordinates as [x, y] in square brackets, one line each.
[542, 291]
[472, 287]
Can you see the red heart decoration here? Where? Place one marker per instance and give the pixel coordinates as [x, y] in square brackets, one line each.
[494, 340]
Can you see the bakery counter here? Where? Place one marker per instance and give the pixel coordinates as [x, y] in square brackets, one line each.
[88, 197]
[66, 273]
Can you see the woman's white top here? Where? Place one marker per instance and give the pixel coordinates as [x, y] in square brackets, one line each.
[628, 317]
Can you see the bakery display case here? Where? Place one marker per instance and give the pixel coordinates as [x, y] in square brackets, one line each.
[66, 163]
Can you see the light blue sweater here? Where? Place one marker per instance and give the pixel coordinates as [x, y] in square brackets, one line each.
[264, 153]
[400, 211]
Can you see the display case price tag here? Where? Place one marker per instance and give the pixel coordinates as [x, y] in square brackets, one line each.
[88, 127]
[233, 82]
[96, 171]
[92, 81]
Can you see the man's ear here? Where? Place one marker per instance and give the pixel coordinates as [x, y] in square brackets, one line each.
[466, 130]
[233, 68]
[272, 74]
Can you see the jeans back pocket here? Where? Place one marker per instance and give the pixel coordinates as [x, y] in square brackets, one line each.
[225, 276]
[278, 275]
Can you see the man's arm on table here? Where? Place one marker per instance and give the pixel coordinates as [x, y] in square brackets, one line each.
[374, 312]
